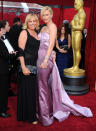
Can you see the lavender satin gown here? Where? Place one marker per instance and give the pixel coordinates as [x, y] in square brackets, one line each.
[53, 101]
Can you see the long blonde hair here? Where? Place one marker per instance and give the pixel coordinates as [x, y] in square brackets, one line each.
[28, 17]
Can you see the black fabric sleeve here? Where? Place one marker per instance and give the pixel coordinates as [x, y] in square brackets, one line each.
[20, 52]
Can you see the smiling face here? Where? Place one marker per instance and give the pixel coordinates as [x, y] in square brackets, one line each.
[46, 16]
[32, 23]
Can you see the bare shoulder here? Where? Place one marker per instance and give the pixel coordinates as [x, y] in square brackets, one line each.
[23, 33]
[43, 28]
[23, 36]
[53, 27]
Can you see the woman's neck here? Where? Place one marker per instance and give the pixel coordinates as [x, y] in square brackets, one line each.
[31, 31]
[62, 35]
[49, 23]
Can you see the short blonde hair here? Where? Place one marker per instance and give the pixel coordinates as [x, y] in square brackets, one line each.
[28, 17]
[46, 8]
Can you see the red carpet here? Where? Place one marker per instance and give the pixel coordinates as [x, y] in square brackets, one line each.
[73, 123]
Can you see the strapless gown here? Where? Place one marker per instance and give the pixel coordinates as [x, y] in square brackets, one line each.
[53, 101]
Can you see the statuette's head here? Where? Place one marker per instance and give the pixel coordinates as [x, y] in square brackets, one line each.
[78, 4]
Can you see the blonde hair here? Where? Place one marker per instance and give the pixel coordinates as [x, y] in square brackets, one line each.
[28, 17]
[46, 8]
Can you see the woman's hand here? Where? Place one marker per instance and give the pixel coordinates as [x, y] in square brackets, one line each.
[65, 51]
[54, 56]
[62, 51]
[44, 64]
[25, 71]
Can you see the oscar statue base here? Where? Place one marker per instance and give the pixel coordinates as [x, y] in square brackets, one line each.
[74, 83]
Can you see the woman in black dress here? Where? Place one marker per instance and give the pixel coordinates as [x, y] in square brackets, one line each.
[28, 53]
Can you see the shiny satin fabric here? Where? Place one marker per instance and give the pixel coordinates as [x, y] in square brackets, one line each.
[53, 101]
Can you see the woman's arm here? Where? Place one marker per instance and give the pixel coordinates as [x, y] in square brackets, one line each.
[57, 45]
[69, 41]
[53, 35]
[21, 43]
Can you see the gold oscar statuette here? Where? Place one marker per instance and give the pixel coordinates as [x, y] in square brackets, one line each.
[77, 25]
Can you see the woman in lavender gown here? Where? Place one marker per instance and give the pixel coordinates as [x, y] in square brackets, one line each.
[53, 101]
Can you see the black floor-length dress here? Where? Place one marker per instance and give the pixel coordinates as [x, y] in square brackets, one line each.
[26, 99]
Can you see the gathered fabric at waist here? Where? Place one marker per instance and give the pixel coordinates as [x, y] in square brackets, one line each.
[44, 45]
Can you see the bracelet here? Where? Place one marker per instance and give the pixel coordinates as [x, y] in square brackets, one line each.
[46, 57]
